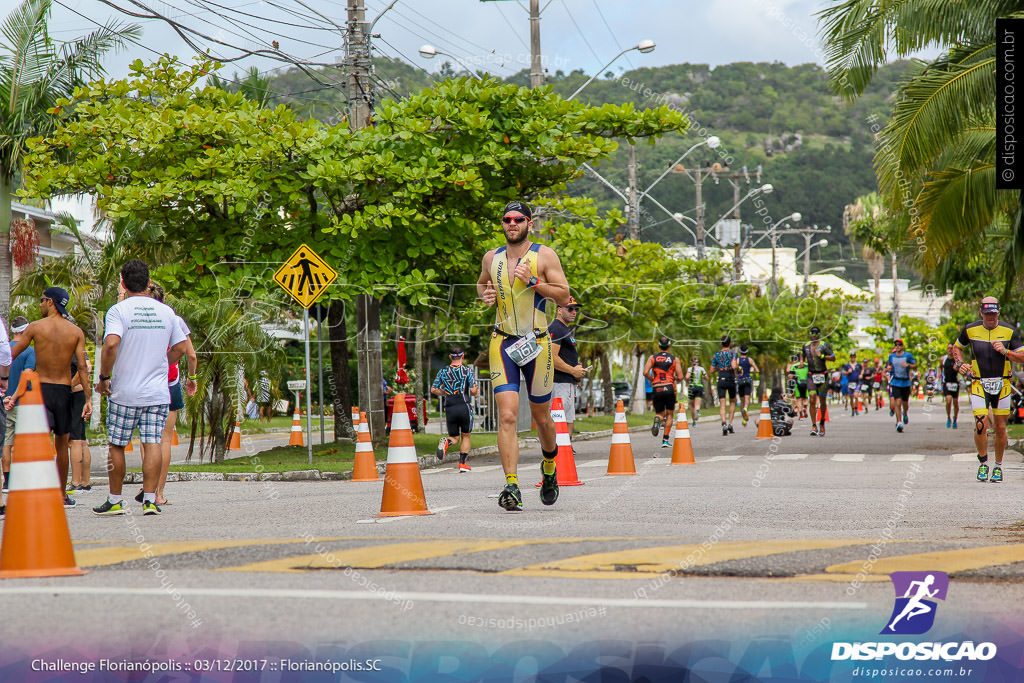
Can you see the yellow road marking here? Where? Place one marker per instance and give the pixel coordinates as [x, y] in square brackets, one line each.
[99, 557]
[643, 562]
[949, 561]
[382, 555]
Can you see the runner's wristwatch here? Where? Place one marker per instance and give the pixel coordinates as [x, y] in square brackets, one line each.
[104, 378]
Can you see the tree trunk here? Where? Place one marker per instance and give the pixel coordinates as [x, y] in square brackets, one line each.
[192, 443]
[371, 377]
[895, 299]
[217, 414]
[6, 266]
[337, 331]
[606, 379]
[639, 400]
[423, 361]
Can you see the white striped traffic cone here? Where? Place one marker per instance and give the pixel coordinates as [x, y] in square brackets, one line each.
[364, 467]
[620, 458]
[296, 437]
[682, 449]
[403, 485]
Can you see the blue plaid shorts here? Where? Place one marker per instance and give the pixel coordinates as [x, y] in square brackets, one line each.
[122, 421]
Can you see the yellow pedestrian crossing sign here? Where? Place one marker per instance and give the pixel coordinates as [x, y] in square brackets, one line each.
[305, 276]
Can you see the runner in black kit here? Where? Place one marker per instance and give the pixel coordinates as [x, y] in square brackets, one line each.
[664, 370]
[950, 387]
[817, 354]
[745, 369]
[723, 364]
[455, 384]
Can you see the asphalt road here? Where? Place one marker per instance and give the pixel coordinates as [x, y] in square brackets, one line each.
[790, 540]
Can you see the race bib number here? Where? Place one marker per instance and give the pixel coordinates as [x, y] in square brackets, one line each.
[992, 385]
[818, 378]
[524, 350]
[876, 385]
[864, 387]
[952, 386]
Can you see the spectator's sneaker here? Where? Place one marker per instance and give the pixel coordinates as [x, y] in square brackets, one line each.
[442, 447]
[656, 427]
[139, 497]
[463, 467]
[899, 427]
[71, 489]
[149, 508]
[954, 424]
[109, 509]
[84, 488]
[68, 501]
[510, 498]
[949, 423]
[548, 487]
[997, 474]
[983, 472]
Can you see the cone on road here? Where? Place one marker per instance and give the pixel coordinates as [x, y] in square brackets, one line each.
[682, 448]
[36, 539]
[620, 459]
[364, 467]
[920, 392]
[355, 421]
[764, 421]
[296, 437]
[860, 405]
[174, 437]
[403, 485]
[565, 463]
[236, 438]
[127, 449]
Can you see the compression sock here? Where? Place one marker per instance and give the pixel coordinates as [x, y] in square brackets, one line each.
[512, 478]
[983, 459]
[462, 458]
[548, 465]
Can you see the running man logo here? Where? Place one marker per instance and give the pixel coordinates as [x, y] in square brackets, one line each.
[305, 276]
[914, 612]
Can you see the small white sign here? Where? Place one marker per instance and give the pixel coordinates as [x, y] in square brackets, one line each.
[297, 385]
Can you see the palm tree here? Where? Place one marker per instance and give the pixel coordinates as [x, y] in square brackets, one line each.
[868, 220]
[35, 72]
[935, 159]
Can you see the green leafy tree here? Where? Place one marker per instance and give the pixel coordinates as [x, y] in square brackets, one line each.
[35, 73]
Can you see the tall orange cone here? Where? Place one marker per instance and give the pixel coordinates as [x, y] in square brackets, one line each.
[174, 438]
[403, 485]
[920, 392]
[364, 467]
[129, 448]
[296, 437]
[764, 421]
[36, 539]
[355, 421]
[565, 463]
[620, 459]
[682, 449]
[236, 438]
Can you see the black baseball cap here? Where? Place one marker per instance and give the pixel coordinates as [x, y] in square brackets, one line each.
[664, 342]
[815, 330]
[521, 207]
[60, 299]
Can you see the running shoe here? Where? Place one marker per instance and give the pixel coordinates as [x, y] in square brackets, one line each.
[150, 508]
[899, 427]
[906, 418]
[891, 414]
[71, 489]
[139, 497]
[731, 430]
[86, 488]
[108, 508]
[3, 510]
[814, 431]
[948, 423]
[664, 443]
[510, 498]
[463, 467]
[954, 424]
[656, 427]
[997, 474]
[68, 501]
[725, 429]
[442, 447]
[548, 487]
[983, 472]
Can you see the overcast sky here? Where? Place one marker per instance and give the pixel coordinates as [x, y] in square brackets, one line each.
[575, 34]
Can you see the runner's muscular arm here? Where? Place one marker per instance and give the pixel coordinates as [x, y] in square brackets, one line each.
[551, 283]
[484, 286]
[647, 368]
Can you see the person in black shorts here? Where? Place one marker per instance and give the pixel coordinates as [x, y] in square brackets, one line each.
[81, 457]
[455, 384]
[723, 364]
[745, 369]
[950, 387]
[818, 353]
[664, 370]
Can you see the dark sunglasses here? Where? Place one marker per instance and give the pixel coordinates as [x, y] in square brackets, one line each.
[514, 219]
[572, 308]
[456, 355]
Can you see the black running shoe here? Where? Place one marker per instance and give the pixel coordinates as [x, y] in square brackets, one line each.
[548, 487]
[731, 430]
[68, 501]
[656, 427]
[3, 510]
[108, 509]
[150, 508]
[510, 498]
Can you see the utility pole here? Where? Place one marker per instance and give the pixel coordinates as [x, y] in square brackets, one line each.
[536, 69]
[807, 234]
[359, 90]
[698, 176]
[634, 198]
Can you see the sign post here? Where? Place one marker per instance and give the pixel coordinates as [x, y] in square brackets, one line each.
[305, 276]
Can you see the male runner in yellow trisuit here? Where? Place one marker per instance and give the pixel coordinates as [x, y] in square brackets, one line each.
[519, 277]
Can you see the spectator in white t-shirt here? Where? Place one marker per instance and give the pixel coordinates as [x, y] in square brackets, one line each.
[142, 337]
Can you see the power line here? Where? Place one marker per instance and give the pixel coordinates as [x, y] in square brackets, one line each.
[565, 6]
[615, 38]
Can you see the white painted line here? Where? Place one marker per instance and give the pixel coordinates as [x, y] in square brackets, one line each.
[470, 598]
[848, 457]
[724, 457]
[437, 470]
[963, 457]
[444, 509]
[383, 520]
[486, 468]
[593, 463]
[907, 457]
[791, 456]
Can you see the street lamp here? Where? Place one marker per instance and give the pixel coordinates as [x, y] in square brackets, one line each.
[712, 142]
[429, 52]
[795, 217]
[806, 253]
[644, 46]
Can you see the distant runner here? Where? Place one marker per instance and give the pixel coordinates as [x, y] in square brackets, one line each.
[900, 364]
[664, 370]
[695, 376]
[951, 387]
[455, 384]
[798, 372]
[723, 364]
[745, 369]
[818, 354]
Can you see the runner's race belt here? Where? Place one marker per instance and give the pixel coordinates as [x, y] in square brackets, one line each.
[992, 385]
[952, 386]
[818, 377]
[876, 385]
[524, 350]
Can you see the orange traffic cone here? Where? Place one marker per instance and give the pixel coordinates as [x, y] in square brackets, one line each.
[236, 438]
[296, 437]
[682, 449]
[127, 449]
[620, 459]
[174, 438]
[403, 485]
[764, 421]
[565, 463]
[364, 468]
[355, 421]
[920, 392]
[860, 404]
[36, 539]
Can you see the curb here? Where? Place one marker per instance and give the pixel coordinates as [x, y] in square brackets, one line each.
[425, 462]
